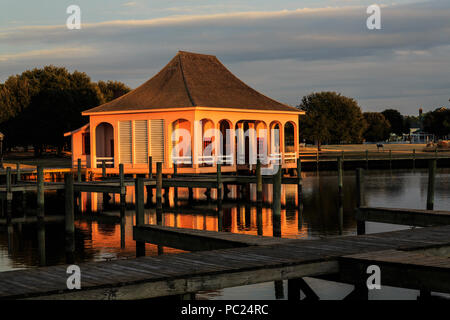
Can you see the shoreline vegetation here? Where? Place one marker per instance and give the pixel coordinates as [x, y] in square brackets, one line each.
[51, 159]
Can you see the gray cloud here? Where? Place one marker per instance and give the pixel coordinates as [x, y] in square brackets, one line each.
[285, 54]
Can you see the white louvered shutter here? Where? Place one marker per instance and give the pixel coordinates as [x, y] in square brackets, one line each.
[157, 140]
[141, 141]
[125, 147]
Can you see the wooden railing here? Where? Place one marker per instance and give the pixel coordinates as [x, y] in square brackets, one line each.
[109, 161]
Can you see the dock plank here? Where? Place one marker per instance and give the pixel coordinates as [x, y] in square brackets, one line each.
[147, 277]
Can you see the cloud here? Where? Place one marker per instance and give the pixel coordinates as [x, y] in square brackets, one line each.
[130, 4]
[330, 48]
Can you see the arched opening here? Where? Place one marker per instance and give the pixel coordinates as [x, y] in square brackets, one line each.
[261, 144]
[275, 139]
[181, 142]
[208, 143]
[225, 142]
[246, 142]
[289, 142]
[104, 144]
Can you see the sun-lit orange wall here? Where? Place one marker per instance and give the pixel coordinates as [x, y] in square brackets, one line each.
[192, 115]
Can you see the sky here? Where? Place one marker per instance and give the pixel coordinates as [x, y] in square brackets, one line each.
[284, 49]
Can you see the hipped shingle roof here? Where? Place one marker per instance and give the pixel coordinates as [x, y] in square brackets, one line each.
[192, 80]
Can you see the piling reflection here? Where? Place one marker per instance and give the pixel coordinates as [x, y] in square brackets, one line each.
[103, 229]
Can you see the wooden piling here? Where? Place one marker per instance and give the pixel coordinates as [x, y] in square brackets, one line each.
[139, 201]
[293, 289]
[414, 159]
[159, 186]
[219, 183]
[18, 172]
[276, 193]
[103, 169]
[140, 219]
[41, 243]
[150, 176]
[367, 159]
[69, 201]
[259, 184]
[79, 170]
[9, 195]
[175, 169]
[317, 160]
[340, 177]
[123, 191]
[40, 192]
[299, 181]
[360, 225]
[150, 167]
[69, 213]
[431, 183]
[175, 189]
[390, 159]
[279, 289]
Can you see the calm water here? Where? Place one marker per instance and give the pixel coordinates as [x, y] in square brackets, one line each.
[100, 235]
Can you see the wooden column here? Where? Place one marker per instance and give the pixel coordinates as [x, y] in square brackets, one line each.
[431, 183]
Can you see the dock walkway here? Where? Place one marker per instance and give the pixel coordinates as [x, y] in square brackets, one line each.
[148, 277]
[199, 240]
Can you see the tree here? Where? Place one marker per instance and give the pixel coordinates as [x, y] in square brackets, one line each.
[331, 118]
[42, 104]
[378, 128]
[38, 106]
[112, 89]
[396, 120]
[437, 122]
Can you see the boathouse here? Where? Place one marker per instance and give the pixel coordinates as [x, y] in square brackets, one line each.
[195, 113]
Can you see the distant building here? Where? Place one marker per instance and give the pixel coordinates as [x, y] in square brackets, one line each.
[179, 116]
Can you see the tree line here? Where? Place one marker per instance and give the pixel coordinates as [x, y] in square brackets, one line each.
[38, 106]
[331, 118]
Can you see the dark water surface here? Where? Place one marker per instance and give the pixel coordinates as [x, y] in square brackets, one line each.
[99, 235]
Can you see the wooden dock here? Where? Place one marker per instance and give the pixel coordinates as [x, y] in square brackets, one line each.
[400, 268]
[199, 240]
[408, 217]
[148, 277]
